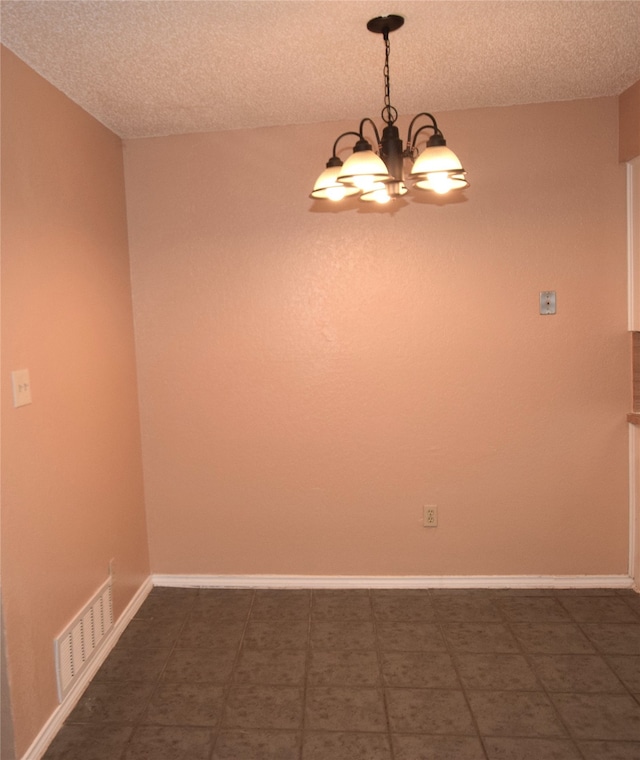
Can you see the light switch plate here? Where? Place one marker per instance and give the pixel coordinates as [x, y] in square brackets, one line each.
[21, 387]
[548, 302]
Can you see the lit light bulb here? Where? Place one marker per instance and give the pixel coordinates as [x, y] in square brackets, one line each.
[380, 196]
[379, 193]
[440, 182]
[336, 192]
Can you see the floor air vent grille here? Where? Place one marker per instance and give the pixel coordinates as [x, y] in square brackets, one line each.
[82, 637]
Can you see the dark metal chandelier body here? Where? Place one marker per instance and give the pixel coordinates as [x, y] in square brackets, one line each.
[378, 175]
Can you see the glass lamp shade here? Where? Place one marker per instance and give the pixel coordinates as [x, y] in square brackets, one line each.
[364, 169]
[327, 186]
[438, 168]
[437, 158]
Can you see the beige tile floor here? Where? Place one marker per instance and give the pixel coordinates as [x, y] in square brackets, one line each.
[367, 675]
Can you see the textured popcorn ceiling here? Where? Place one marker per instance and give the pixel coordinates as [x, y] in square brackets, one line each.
[155, 67]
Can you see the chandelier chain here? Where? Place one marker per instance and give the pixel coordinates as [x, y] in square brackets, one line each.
[389, 113]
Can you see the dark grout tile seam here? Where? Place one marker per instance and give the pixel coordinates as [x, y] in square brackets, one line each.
[135, 725]
[215, 730]
[453, 658]
[226, 688]
[606, 655]
[527, 655]
[381, 681]
[546, 691]
[160, 678]
[305, 686]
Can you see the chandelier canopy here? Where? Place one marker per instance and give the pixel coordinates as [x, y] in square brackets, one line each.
[377, 175]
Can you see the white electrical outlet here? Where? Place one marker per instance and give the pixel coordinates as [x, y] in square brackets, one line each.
[430, 516]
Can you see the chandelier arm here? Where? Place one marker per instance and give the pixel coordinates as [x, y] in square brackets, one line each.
[344, 134]
[375, 129]
[424, 126]
[433, 125]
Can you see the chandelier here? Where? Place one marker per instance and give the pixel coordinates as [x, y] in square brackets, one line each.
[378, 175]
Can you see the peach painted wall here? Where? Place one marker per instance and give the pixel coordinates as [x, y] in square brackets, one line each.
[310, 379]
[72, 495]
[629, 108]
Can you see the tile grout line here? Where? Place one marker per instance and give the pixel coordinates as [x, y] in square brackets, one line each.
[607, 655]
[454, 662]
[545, 691]
[226, 688]
[513, 617]
[307, 662]
[140, 721]
[528, 657]
[604, 655]
[381, 679]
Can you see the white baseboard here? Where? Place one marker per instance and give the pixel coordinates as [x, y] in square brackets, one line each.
[62, 712]
[399, 581]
